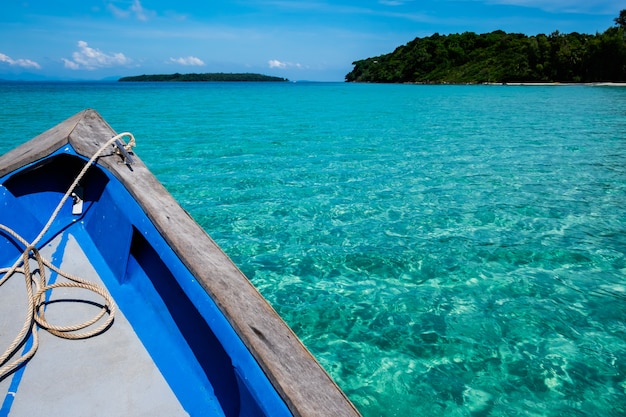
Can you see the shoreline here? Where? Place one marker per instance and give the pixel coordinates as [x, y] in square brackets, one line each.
[556, 84]
[515, 83]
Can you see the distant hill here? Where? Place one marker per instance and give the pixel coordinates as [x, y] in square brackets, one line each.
[500, 57]
[217, 76]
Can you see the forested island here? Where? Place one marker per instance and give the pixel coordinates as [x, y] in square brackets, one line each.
[500, 57]
[215, 76]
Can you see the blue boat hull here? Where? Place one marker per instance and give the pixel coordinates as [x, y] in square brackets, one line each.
[167, 280]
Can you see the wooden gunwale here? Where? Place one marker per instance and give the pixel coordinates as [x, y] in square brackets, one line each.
[299, 379]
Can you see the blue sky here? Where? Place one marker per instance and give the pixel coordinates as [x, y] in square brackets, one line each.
[300, 40]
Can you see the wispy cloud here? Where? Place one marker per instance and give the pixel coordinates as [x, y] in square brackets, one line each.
[24, 63]
[562, 6]
[189, 61]
[394, 2]
[274, 63]
[135, 10]
[336, 10]
[90, 59]
[315, 7]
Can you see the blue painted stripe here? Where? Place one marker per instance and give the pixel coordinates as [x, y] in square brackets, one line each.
[15, 382]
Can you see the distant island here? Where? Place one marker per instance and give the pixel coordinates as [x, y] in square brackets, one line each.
[216, 76]
[500, 57]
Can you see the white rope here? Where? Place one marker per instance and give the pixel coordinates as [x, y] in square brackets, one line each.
[37, 288]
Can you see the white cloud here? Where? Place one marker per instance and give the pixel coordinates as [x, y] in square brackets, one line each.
[274, 63]
[190, 61]
[89, 58]
[136, 10]
[140, 12]
[24, 63]
[70, 64]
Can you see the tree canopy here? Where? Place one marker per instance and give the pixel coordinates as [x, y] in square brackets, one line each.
[621, 19]
[219, 76]
[501, 57]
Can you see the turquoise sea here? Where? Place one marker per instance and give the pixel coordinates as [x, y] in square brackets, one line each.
[442, 250]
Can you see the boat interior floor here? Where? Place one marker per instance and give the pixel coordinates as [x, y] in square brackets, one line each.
[110, 374]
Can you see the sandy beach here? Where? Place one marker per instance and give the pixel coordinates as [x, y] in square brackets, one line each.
[599, 84]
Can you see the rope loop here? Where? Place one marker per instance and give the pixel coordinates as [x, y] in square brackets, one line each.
[38, 289]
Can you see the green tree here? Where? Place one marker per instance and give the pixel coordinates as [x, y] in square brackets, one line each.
[502, 57]
[621, 19]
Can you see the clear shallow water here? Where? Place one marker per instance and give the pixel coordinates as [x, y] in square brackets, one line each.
[442, 250]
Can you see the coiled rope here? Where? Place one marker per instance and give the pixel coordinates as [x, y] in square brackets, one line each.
[37, 288]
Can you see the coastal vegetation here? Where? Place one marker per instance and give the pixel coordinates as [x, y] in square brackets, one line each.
[216, 76]
[500, 57]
